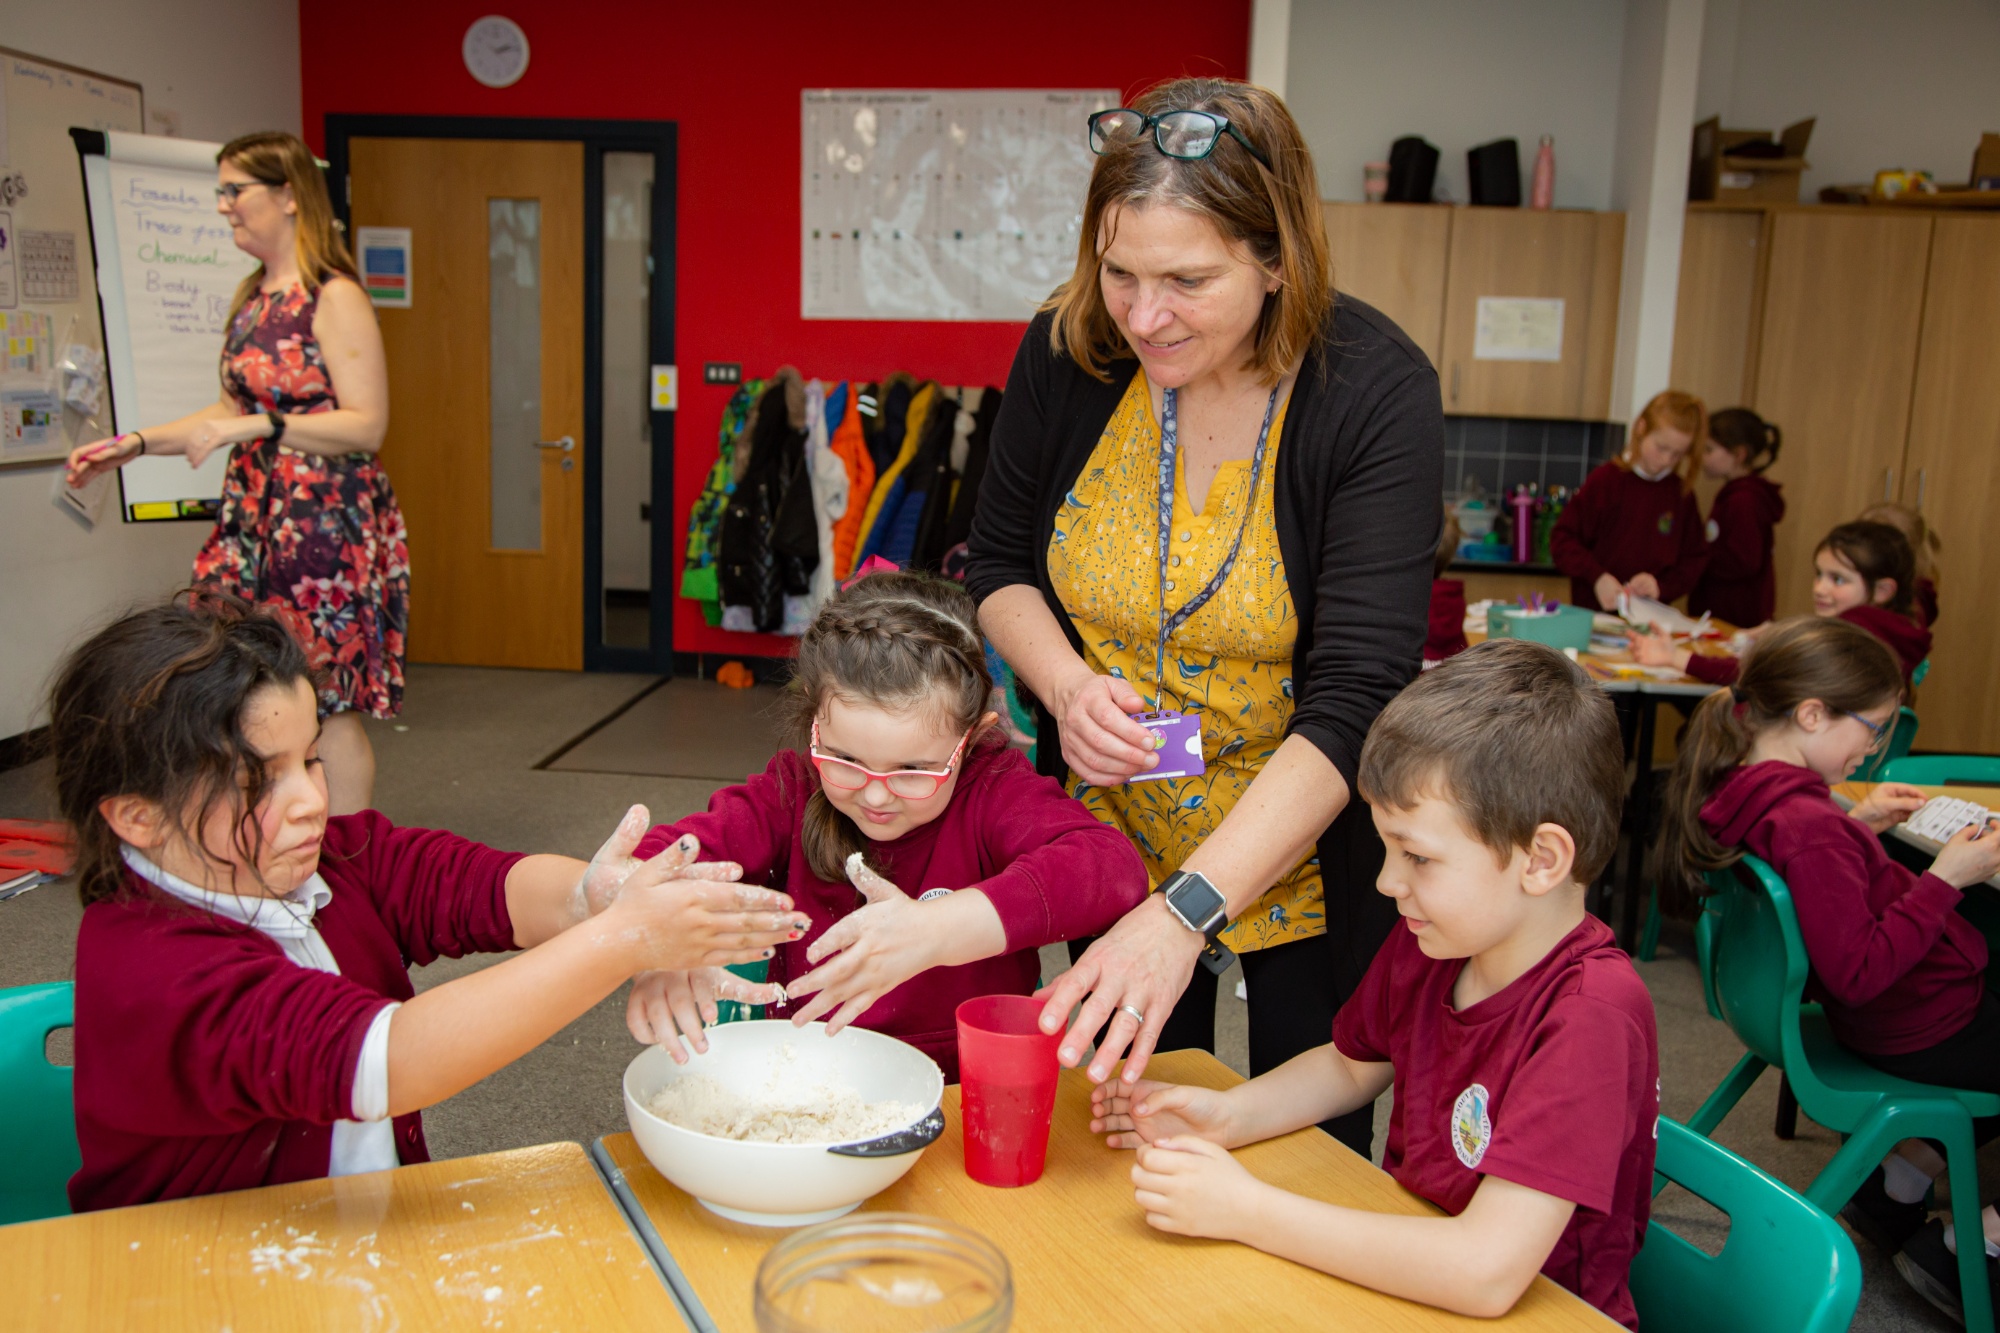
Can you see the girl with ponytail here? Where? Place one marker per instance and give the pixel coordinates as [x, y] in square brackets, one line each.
[1901, 974]
[930, 857]
[1739, 583]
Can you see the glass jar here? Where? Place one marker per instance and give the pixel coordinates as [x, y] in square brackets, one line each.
[884, 1273]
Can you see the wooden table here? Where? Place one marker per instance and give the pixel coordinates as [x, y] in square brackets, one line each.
[528, 1239]
[1850, 794]
[1082, 1254]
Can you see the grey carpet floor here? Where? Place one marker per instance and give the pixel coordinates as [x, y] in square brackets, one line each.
[463, 756]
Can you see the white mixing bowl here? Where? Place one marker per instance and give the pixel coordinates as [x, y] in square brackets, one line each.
[787, 1184]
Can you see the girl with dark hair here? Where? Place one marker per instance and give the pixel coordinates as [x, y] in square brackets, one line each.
[1901, 973]
[1739, 584]
[1862, 573]
[309, 526]
[897, 786]
[244, 1013]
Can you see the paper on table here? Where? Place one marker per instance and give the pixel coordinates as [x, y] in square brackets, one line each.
[1646, 611]
[1943, 816]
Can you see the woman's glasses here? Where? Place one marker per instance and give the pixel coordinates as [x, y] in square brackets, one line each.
[912, 784]
[1187, 135]
[1879, 730]
[228, 190]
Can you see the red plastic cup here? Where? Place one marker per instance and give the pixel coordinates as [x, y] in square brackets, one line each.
[1007, 1087]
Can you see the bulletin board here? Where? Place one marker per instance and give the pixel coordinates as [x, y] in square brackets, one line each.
[48, 286]
[941, 204]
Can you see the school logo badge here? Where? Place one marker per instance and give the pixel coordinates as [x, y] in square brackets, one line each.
[1471, 1126]
[1713, 530]
[1666, 523]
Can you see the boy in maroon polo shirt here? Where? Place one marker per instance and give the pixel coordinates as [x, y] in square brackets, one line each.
[1519, 1040]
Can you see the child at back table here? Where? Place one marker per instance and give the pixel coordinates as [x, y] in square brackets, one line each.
[1739, 585]
[1633, 526]
[1519, 1040]
[898, 786]
[244, 1013]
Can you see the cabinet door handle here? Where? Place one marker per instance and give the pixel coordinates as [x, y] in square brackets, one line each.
[1888, 483]
[1920, 489]
[1454, 382]
[566, 443]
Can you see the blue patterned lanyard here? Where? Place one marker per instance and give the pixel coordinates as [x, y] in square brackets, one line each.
[1169, 443]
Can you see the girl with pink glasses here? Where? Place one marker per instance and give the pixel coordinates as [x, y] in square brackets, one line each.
[931, 859]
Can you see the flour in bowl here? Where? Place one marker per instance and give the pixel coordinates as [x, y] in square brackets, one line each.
[794, 1113]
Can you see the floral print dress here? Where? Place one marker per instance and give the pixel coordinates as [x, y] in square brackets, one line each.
[318, 539]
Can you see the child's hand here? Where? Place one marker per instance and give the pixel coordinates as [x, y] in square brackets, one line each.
[1973, 854]
[1888, 805]
[880, 946]
[1607, 588]
[1190, 1187]
[1149, 1112]
[1643, 585]
[665, 1007]
[598, 887]
[676, 922]
[1657, 650]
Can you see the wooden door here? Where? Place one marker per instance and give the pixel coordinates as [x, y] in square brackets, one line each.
[1951, 474]
[1715, 313]
[496, 522]
[1393, 256]
[1836, 361]
[1517, 252]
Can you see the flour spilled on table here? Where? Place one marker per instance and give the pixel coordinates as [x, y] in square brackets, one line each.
[784, 1110]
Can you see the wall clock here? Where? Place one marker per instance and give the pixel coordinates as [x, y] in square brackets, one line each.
[496, 51]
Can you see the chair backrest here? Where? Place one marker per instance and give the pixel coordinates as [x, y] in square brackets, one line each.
[36, 1098]
[1874, 767]
[1785, 1266]
[1943, 770]
[1753, 962]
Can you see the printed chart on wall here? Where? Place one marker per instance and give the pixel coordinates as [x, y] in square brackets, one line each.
[52, 378]
[948, 205]
[166, 273]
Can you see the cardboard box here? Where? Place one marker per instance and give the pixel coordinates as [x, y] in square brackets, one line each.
[1717, 173]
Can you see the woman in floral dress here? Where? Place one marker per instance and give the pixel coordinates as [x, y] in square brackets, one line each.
[308, 524]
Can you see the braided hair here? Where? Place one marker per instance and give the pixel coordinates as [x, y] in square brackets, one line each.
[896, 641]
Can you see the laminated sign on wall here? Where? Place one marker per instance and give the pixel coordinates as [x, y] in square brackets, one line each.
[958, 205]
[1518, 328]
[384, 253]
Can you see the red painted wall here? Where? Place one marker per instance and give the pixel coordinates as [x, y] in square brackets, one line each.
[730, 75]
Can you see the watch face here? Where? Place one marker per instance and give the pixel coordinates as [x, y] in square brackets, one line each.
[1196, 901]
[496, 51]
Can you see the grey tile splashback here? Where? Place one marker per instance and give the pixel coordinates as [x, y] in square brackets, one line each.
[1503, 452]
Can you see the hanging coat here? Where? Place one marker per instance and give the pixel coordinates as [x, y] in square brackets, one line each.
[749, 576]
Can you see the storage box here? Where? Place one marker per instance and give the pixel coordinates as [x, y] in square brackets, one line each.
[1569, 627]
[1771, 176]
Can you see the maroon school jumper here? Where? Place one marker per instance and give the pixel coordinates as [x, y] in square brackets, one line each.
[1897, 968]
[1619, 523]
[1553, 1083]
[1447, 632]
[1910, 642]
[1740, 584]
[206, 1060]
[1051, 870]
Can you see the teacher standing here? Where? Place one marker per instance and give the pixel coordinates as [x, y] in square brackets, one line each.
[308, 524]
[1214, 489]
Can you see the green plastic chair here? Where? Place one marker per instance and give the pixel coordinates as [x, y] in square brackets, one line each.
[1943, 770]
[39, 1108]
[1900, 740]
[1753, 976]
[1786, 1266]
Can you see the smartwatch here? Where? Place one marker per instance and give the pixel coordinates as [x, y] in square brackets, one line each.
[1200, 906]
[277, 420]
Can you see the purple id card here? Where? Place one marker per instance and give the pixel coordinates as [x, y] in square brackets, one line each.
[1177, 737]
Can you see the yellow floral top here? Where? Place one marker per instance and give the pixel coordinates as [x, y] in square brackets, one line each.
[1231, 661]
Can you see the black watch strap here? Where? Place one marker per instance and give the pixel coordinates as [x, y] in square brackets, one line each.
[277, 420]
[1217, 956]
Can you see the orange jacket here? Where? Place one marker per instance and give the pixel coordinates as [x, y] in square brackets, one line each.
[851, 449]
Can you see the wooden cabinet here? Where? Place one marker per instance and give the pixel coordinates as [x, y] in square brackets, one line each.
[1507, 252]
[1951, 474]
[1836, 362]
[1393, 257]
[1715, 317]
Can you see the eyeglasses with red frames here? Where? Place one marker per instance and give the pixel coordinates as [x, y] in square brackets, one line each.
[911, 784]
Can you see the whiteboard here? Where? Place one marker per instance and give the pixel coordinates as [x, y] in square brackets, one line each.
[166, 273]
[46, 296]
[940, 204]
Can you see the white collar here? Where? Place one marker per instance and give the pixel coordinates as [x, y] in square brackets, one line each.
[289, 917]
[1644, 475]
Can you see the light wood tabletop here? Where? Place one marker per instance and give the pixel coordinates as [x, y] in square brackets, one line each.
[1850, 794]
[1082, 1254]
[528, 1239]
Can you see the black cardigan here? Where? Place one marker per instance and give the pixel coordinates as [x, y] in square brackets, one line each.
[1359, 501]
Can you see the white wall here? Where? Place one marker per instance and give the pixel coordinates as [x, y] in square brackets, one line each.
[1906, 84]
[211, 69]
[1363, 73]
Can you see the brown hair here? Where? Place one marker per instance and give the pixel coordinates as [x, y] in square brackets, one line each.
[1274, 214]
[1514, 735]
[1743, 432]
[897, 641]
[1669, 410]
[279, 159]
[1810, 657]
[1877, 552]
[1923, 539]
[152, 706]
[1447, 544]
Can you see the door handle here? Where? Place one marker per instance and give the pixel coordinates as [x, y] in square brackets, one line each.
[565, 444]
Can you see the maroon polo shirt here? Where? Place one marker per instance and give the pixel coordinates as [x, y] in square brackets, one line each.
[1619, 523]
